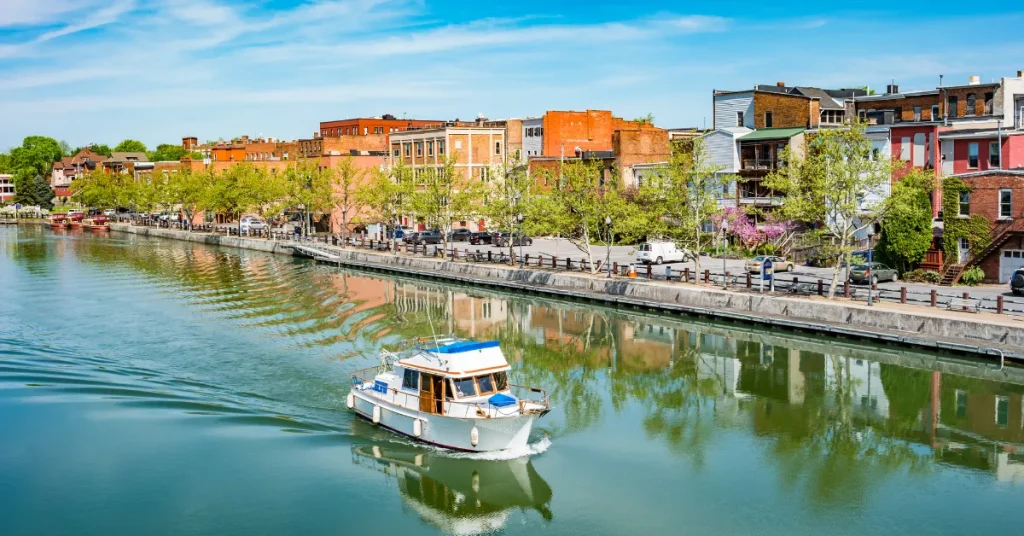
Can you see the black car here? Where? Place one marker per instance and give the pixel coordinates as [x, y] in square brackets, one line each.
[410, 238]
[1017, 282]
[459, 235]
[515, 239]
[481, 238]
[428, 237]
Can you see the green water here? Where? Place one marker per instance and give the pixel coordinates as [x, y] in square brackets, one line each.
[158, 387]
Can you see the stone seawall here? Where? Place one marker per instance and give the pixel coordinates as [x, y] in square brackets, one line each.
[888, 323]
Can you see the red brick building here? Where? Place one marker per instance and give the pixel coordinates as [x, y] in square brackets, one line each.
[385, 124]
[997, 196]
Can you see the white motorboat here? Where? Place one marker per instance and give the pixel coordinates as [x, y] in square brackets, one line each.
[449, 392]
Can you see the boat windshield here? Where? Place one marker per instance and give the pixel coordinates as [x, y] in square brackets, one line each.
[486, 384]
[465, 387]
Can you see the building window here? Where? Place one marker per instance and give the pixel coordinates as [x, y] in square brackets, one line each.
[935, 112]
[364, 131]
[972, 155]
[988, 103]
[1005, 204]
[970, 104]
[905, 149]
[440, 147]
[497, 147]
[965, 204]
[993, 155]
[862, 115]
[408, 149]
[458, 144]
[954, 107]
[396, 152]
[430, 148]
[917, 113]
[419, 148]
[739, 119]
[768, 120]
[484, 174]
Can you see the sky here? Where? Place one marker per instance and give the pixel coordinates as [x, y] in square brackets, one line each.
[99, 71]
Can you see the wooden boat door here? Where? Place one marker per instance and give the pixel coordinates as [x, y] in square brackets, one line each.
[431, 393]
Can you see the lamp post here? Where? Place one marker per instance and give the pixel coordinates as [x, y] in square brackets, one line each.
[519, 218]
[725, 228]
[871, 276]
[608, 244]
[394, 230]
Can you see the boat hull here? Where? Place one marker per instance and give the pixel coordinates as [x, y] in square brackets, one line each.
[495, 434]
[98, 228]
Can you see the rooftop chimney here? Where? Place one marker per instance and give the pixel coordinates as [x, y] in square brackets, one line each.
[975, 80]
[892, 89]
[780, 84]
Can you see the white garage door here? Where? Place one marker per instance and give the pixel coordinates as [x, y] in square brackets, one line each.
[1009, 260]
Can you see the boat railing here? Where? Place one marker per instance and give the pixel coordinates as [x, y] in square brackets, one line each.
[453, 407]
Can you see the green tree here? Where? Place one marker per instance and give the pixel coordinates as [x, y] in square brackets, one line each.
[576, 207]
[386, 195]
[35, 156]
[101, 148]
[506, 199]
[907, 228]
[167, 152]
[131, 146]
[65, 148]
[686, 191]
[446, 195]
[187, 191]
[33, 190]
[348, 178]
[309, 189]
[830, 186]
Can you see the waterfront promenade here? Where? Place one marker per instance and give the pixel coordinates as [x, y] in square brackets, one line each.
[982, 333]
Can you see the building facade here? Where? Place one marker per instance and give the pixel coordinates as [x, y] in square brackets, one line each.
[6, 188]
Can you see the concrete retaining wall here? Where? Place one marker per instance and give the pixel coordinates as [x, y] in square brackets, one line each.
[920, 329]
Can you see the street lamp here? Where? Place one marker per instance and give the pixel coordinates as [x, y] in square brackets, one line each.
[608, 244]
[871, 276]
[394, 230]
[519, 218]
[725, 229]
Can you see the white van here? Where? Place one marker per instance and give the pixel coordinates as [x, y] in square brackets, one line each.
[658, 252]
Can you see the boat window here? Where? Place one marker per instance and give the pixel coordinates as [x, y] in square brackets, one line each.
[485, 383]
[501, 380]
[465, 387]
[411, 380]
[448, 392]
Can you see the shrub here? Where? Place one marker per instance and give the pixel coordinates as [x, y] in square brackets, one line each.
[922, 276]
[972, 276]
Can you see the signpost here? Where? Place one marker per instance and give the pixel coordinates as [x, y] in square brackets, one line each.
[767, 271]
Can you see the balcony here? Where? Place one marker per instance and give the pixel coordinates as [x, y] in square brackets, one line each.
[766, 164]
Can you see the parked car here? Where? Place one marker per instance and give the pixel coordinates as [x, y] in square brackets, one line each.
[1017, 282]
[459, 235]
[515, 239]
[109, 212]
[409, 237]
[779, 264]
[482, 237]
[428, 237]
[251, 223]
[862, 273]
[659, 251]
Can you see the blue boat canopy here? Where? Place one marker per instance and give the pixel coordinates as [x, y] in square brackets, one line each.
[501, 400]
[466, 346]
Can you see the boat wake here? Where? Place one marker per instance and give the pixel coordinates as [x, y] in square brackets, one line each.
[532, 449]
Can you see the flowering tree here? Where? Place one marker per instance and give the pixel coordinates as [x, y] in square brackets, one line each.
[749, 233]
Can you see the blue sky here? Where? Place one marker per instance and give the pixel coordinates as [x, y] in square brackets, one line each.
[104, 70]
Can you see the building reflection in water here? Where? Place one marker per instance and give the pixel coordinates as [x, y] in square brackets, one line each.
[459, 495]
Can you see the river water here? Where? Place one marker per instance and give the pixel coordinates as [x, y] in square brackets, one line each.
[158, 387]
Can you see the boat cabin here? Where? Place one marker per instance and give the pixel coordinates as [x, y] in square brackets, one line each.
[450, 379]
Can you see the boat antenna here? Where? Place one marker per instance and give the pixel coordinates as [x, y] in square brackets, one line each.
[432, 334]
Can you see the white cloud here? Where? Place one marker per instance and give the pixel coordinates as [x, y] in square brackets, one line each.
[94, 19]
[36, 12]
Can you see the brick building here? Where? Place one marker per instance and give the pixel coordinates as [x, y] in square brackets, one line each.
[997, 196]
[385, 124]
[479, 153]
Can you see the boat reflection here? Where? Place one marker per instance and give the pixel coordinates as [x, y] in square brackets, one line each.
[459, 495]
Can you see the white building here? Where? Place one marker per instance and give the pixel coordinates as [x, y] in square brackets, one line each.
[6, 188]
